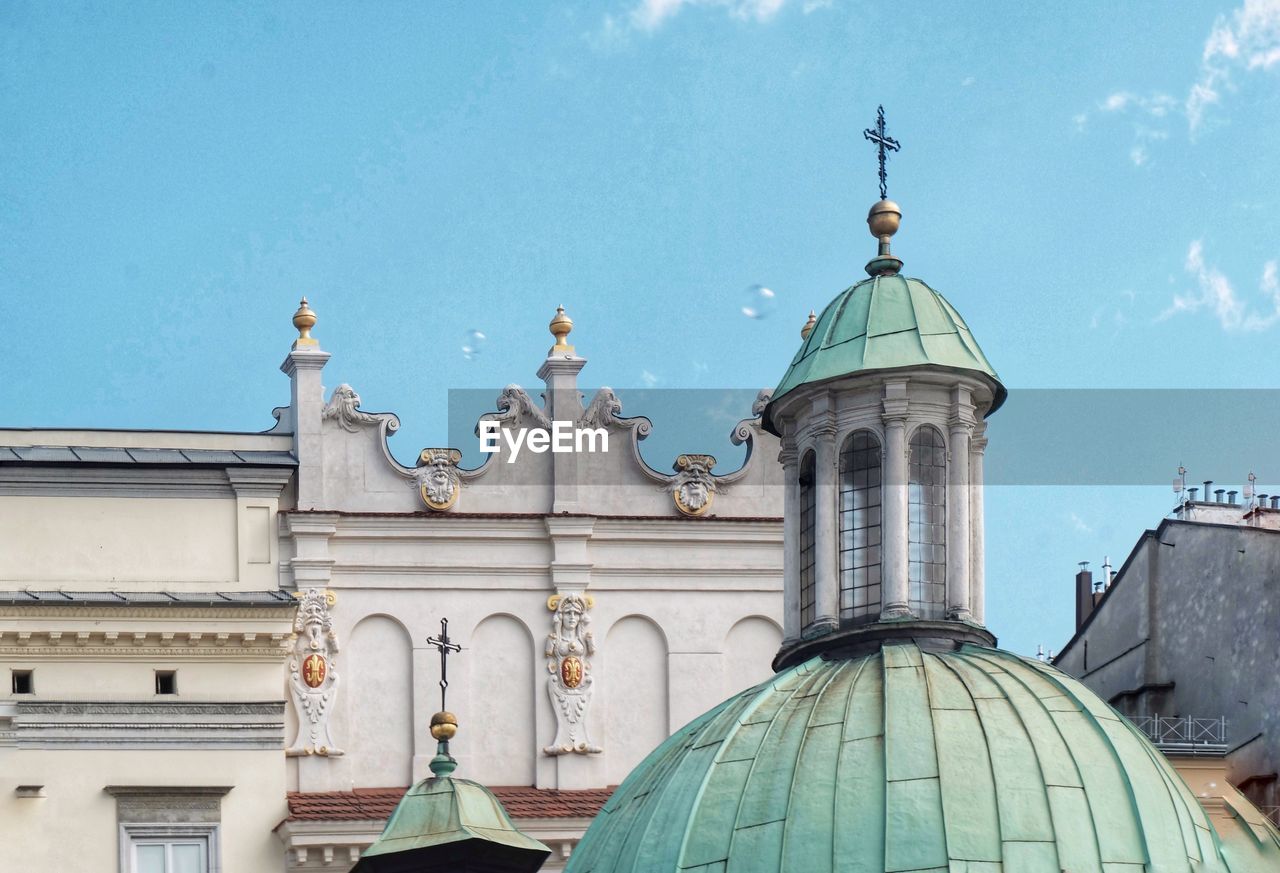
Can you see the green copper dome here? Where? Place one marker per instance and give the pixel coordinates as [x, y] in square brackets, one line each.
[906, 760]
[884, 323]
[444, 823]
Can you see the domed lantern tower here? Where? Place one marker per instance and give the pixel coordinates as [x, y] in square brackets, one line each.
[881, 416]
[895, 737]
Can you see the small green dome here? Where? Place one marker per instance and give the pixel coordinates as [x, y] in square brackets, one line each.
[884, 323]
[905, 760]
[451, 824]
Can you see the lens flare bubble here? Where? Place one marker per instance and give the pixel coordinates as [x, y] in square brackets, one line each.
[759, 302]
[473, 344]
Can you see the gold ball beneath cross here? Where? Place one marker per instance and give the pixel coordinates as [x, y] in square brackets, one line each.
[444, 725]
[884, 218]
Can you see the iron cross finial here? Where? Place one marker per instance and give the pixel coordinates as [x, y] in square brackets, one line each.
[446, 646]
[883, 143]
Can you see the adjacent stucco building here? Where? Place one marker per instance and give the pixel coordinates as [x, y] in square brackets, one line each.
[1189, 628]
[214, 645]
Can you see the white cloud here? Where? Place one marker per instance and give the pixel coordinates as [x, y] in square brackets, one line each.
[1079, 524]
[1150, 112]
[1215, 292]
[1114, 316]
[1248, 38]
[648, 379]
[649, 15]
[1156, 104]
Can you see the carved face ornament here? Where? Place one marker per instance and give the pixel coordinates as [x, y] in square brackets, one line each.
[439, 485]
[694, 493]
[437, 478]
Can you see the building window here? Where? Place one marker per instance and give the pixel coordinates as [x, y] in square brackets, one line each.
[927, 517]
[860, 526]
[166, 682]
[808, 522]
[23, 681]
[173, 829]
[169, 854]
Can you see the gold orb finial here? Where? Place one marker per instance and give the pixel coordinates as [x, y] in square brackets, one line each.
[883, 221]
[809, 325]
[560, 327]
[444, 726]
[304, 319]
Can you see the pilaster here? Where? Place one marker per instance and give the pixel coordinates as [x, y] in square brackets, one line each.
[257, 539]
[958, 496]
[789, 458]
[977, 530]
[311, 564]
[826, 531]
[303, 367]
[570, 577]
[564, 403]
[895, 602]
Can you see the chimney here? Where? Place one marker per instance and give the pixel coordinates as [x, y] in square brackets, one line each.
[1193, 492]
[1208, 483]
[1084, 594]
[1231, 497]
[1217, 494]
[1106, 572]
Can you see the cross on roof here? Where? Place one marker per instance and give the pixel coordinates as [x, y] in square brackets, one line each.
[445, 646]
[883, 143]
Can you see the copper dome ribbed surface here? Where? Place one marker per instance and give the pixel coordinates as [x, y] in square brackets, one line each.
[885, 323]
[910, 760]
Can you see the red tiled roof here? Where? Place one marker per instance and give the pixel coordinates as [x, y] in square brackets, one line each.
[521, 801]
[524, 801]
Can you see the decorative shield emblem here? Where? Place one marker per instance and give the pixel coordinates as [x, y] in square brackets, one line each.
[313, 670]
[571, 672]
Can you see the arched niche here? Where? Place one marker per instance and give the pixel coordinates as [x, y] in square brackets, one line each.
[378, 682]
[635, 684]
[498, 744]
[749, 648]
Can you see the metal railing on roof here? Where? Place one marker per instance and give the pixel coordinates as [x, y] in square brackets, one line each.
[1184, 734]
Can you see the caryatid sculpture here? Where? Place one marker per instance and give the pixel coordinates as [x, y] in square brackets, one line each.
[313, 679]
[568, 647]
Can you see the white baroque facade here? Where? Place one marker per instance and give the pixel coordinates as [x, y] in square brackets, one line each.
[226, 633]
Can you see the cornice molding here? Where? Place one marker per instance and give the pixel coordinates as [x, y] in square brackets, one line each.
[255, 614]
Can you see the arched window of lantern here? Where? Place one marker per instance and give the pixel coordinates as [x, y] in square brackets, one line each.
[808, 552]
[860, 527]
[927, 519]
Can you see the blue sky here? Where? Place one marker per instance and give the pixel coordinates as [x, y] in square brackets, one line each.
[1096, 193]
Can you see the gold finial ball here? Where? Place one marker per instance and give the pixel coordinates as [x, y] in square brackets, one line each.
[809, 325]
[884, 218]
[304, 319]
[444, 725]
[560, 327]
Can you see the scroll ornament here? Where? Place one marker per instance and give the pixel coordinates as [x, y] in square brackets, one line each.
[313, 678]
[568, 647]
[344, 408]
